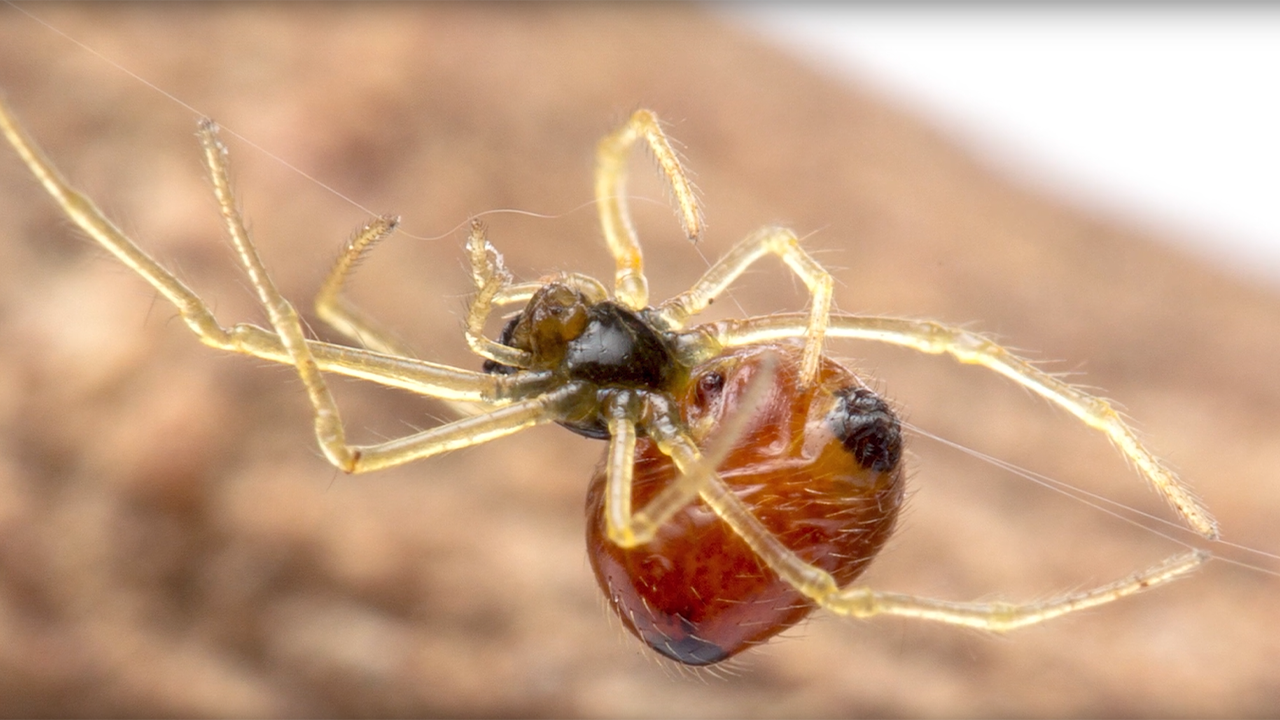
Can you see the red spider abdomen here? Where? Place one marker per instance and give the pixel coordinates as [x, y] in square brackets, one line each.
[819, 467]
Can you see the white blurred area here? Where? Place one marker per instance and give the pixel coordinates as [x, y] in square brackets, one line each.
[1166, 116]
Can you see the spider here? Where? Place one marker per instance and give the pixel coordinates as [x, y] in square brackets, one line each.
[747, 480]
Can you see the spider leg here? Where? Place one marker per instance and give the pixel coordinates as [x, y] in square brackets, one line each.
[697, 471]
[516, 398]
[86, 215]
[820, 587]
[629, 529]
[420, 377]
[513, 401]
[1003, 616]
[972, 348]
[783, 243]
[490, 277]
[465, 432]
[624, 527]
[284, 318]
[494, 287]
[329, 429]
[338, 312]
[343, 316]
[631, 288]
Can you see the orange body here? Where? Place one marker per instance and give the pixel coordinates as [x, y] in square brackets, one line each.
[697, 593]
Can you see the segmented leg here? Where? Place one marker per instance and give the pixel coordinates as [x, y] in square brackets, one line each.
[466, 432]
[86, 215]
[338, 312]
[1002, 616]
[494, 288]
[517, 404]
[329, 429]
[420, 377]
[490, 277]
[632, 289]
[621, 524]
[968, 347]
[783, 243]
[624, 527]
[820, 587]
[629, 529]
[344, 317]
[328, 422]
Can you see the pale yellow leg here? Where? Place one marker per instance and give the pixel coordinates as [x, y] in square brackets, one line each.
[417, 376]
[693, 474]
[694, 469]
[784, 244]
[820, 587]
[494, 288]
[80, 210]
[630, 529]
[1003, 616]
[969, 347]
[468, 431]
[490, 278]
[344, 317]
[621, 525]
[328, 422]
[287, 344]
[338, 312]
[611, 172]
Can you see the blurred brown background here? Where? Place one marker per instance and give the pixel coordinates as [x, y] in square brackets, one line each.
[171, 542]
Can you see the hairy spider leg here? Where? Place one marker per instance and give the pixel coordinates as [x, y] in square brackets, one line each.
[490, 276]
[631, 288]
[488, 272]
[698, 477]
[862, 602]
[340, 313]
[967, 347]
[349, 320]
[417, 376]
[783, 243]
[629, 529]
[329, 429]
[519, 401]
[494, 288]
[420, 377]
[821, 587]
[971, 348]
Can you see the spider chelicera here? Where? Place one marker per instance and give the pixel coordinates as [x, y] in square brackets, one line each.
[748, 478]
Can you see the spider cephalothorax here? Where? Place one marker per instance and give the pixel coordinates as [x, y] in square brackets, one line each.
[747, 479]
[610, 347]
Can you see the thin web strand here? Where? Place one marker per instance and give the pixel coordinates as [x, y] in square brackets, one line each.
[1118, 510]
